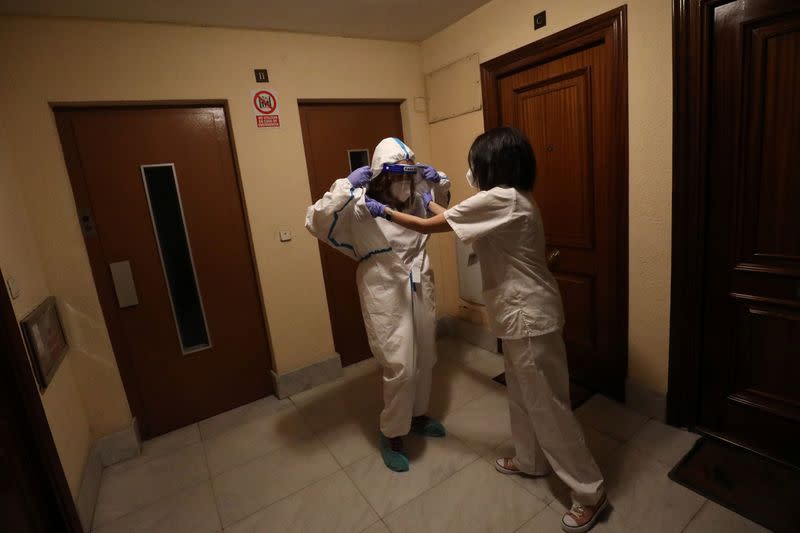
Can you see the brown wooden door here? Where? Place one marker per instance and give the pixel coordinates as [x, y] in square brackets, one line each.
[329, 132]
[750, 361]
[162, 188]
[568, 104]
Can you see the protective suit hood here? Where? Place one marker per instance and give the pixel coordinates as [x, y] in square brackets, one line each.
[390, 150]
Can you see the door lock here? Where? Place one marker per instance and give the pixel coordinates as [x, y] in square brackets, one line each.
[552, 258]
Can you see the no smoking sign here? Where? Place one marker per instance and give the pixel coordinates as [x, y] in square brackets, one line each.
[265, 106]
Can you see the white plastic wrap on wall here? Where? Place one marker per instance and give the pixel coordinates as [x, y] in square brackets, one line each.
[443, 101]
[470, 284]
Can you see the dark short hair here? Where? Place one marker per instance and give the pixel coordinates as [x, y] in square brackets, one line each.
[503, 157]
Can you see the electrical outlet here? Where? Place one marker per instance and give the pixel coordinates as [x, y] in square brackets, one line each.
[540, 20]
[286, 235]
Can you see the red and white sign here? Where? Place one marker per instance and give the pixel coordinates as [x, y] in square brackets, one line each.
[265, 104]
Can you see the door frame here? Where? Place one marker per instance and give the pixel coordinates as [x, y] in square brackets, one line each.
[100, 273]
[573, 39]
[50, 501]
[688, 235]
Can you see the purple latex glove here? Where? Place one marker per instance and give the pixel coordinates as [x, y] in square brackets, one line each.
[376, 209]
[360, 176]
[430, 174]
[427, 198]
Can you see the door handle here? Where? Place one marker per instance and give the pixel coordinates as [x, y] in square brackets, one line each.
[122, 276]
[552, 258]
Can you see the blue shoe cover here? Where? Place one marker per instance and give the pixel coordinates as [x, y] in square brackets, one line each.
[393, 460]
[427, 426]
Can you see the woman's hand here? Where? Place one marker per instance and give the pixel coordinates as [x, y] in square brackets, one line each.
[360, 176]
[430, 174]
[376, 209]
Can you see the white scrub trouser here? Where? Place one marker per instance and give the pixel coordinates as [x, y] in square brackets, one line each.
[545, 431]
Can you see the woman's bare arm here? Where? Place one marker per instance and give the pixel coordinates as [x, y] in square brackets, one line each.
[435, 208]
[435, 224]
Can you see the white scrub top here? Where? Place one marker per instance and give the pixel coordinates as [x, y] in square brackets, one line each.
[505, 229]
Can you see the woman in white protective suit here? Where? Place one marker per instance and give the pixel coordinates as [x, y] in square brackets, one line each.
[395, 282]
[504, 225]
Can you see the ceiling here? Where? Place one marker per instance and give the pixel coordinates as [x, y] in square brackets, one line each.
[397, 20]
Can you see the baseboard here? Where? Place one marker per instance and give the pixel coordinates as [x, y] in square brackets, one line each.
[472, 333]
[120, 446]
[646, 401]
[307, 377]
[105, 451]
[90, 488]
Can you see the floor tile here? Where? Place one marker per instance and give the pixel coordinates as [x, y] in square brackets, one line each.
[192, 510]
[330, 505]
[250, 412]
[664, 443]
[122, 492]
[432, 461]
[250, 487]
[482, 424]
[248, 441]
[340, 400]
[350, 374]
[161, 445]
[643, 498]
[377, 527]
[546, 521]
[455, 385]
[486, 363]
[352, 438]
[551, 487]
[714, 518]
[476, 499]
[610, 417]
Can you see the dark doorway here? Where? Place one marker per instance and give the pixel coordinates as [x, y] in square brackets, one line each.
[34, 496]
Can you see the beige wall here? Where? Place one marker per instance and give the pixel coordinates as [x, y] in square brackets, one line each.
[504, 25]
[20, 259]
[52, 60]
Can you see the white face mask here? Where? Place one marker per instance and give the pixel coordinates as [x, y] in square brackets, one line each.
[401, 190]
[471, 180]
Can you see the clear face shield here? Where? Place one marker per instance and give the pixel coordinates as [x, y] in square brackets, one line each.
[395, 185]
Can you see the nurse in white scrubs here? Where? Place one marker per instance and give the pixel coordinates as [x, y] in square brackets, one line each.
[504, 226]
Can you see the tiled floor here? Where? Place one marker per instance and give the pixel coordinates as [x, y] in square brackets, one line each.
[311, 464]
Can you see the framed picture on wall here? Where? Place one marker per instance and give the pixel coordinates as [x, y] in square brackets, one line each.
[45, 340]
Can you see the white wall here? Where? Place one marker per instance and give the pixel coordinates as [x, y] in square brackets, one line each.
[20, 259]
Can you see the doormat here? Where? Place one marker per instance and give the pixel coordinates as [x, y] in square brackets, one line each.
[757, 488]
[578, 394]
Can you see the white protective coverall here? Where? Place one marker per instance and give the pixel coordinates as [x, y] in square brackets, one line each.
[523, 302]
[395, 285]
